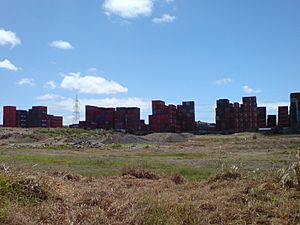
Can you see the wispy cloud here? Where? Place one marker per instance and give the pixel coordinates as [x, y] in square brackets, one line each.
[64, 45]
[47, 97]
[128, 8]
[9, 38]
[91, 84]
[26, 82]
[250, 90]
[92, 70]
[6, 64]
[50, 84]
[166, 18]
[224, 81]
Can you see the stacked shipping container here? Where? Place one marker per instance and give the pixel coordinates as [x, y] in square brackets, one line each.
[261, 117]
[9, 116]
[188, 122]
[171, 118]
[225, 115]
[22, 118]
[35, 117]
[283, 116]
[249, 111]
[238, 117]
[295, 110]
[38, 117]
[97, 117]
[121, 118]
[272, 121]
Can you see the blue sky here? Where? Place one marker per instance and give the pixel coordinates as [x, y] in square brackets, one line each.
[128, 52]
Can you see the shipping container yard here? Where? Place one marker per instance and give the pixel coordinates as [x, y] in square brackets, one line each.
[230, 117]
[33, 118]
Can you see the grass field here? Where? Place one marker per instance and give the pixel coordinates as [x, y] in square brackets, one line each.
[195, 159]
[209, 179]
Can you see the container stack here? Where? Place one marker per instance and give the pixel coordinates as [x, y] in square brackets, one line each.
[283, 117]
[225, 115]
[272, 121]
[132, 119]
[249, 113]
[9, 116]
[189, 115]
[105, 118]
[55, 121]
[158, 121]
[179, 118]
[91, 113]
[22, 118]
[38, 117]
[119, 119]
[238, 117]
[295, 110]
[261, 117]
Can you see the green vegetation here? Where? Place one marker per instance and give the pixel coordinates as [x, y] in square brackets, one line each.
[110, 164]
[54, 132]
[165, 213]
[21, 191]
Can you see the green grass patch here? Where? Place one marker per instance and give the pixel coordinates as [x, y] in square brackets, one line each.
[24, 191]
[150, 210]
[179, 156]
[54, 132]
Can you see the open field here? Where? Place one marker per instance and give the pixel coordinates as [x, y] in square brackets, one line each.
[167, 178]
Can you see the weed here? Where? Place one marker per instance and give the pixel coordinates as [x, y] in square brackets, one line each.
[139, 173]
[177, 178]
[115, 146]
[22, 191]
[153, 211]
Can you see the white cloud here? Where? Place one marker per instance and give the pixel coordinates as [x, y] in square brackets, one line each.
[50, 84]
[272, 107]
[26, 82]
[166, 18]
[48, 97]
[128, 8]
[91, 84]
[223, 81]
[6, 64]
[92, 70]
[61, 45]
[9, 38]
[250, 90]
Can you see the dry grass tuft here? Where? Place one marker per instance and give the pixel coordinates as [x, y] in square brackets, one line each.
[122, 200]
[67, 176]
[289, 177]
[178, 178]
[228, 175]
[139, 173]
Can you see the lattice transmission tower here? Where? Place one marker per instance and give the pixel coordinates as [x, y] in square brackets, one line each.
[76, 111]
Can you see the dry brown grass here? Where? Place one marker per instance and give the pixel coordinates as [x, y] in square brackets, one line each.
[228, 199]
[139, 173]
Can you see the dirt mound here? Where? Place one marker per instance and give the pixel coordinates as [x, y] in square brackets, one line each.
[133, 139]
[166, 137]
